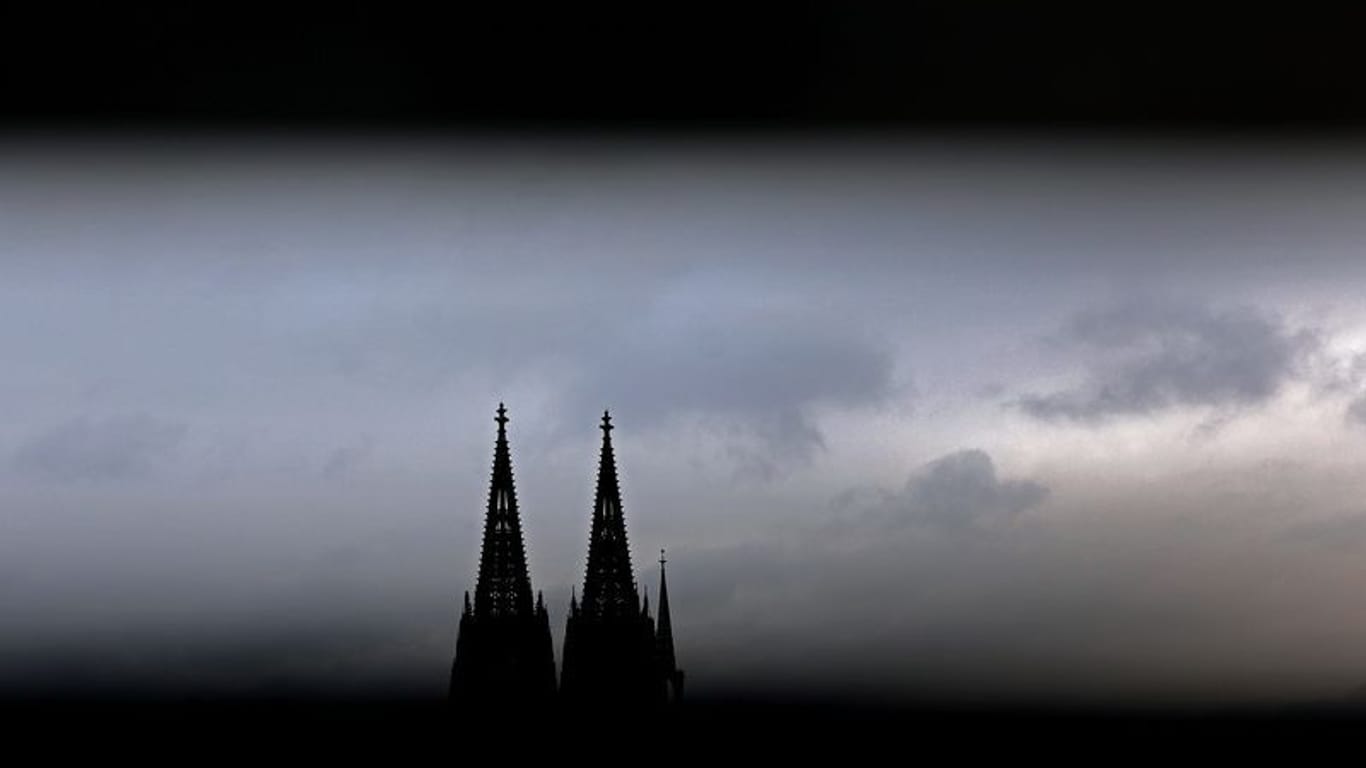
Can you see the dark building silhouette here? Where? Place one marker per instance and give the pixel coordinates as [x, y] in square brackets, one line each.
[613, 653]
[503, 651]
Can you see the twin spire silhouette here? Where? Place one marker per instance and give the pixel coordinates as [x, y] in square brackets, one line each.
[614, 651]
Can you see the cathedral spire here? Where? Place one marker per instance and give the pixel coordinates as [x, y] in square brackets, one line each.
[609, 641]
[503, 587]
[503, 649]
[609, 586]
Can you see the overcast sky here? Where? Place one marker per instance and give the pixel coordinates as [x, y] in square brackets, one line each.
[1070, 418]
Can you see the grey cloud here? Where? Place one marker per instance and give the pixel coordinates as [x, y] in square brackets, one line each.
[1084, 603]
[346, 458]
[1346, 534]
[1145, 357]
[958, 491]
[1339, 375]
[85, 449]
[959, 494]
[302, 658]
[751, 357]
[963, 489]
[818, 592]
[795, 594]
[761, 375]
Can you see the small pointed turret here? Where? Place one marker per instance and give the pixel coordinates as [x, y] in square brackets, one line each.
[664, 639]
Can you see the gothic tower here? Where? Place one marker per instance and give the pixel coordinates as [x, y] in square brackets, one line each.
[503, 652]
[609, 639]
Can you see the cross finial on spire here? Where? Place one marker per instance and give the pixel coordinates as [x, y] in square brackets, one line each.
[662, 561]
[502, 417]
[606, 421]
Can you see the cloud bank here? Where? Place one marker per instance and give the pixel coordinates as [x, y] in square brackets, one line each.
[1143, 358]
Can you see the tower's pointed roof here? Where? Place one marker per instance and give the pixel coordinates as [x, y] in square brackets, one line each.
[664, 626]
[609, 587]
[503, 587]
